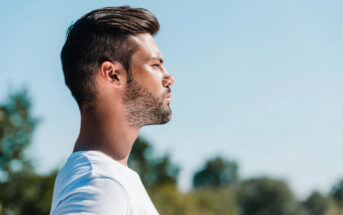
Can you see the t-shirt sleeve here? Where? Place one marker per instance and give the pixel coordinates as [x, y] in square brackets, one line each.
[99, 195]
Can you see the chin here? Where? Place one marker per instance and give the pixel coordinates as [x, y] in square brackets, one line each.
[165, 118]
[162, 119]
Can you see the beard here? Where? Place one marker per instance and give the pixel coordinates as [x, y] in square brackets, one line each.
[144, 108]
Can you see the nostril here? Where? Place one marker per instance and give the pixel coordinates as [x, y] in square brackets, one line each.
[166, 82]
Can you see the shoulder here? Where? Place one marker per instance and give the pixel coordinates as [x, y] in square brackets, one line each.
[97, 195]
[81, 187]
[84, 165]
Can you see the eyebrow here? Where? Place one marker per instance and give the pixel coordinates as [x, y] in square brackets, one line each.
[158, 58]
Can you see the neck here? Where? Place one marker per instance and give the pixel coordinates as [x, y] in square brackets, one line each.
[108, 133]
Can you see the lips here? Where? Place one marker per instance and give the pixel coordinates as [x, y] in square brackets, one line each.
[168, 96]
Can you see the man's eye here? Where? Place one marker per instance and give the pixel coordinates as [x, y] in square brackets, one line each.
[156, 65]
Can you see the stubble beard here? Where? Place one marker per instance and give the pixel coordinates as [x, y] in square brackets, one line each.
[144, 108]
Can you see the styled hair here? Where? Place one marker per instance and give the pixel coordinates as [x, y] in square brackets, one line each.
[102, 35]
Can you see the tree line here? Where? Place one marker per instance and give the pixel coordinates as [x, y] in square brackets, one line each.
[217, 187]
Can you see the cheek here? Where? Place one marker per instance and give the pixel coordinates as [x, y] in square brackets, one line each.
[156, 85]
[153, 81]
[150, 78]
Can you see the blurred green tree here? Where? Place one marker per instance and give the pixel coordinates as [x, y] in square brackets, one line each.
[216, 172]
[215, 200]
[168, 200]
[337, 192]
[265, 196]
[316, 204]
[27, 193]
[16, 128]
[21, 190]
[140, 158]
[153, 171]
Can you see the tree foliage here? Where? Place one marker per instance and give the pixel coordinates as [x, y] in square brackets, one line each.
[27, 194]
[153, 171]
[337, 192]
[168, 200]
[16, 128]
[21, 190]
[216, 200]
[216, 172]
[266, 196]
[316, 204]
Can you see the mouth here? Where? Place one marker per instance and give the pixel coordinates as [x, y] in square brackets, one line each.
[168, 96]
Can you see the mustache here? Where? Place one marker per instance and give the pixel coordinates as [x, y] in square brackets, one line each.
[168, 91]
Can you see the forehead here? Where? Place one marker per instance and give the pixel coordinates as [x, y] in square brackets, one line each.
[147, 48]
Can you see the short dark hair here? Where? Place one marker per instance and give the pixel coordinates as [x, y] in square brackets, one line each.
[100, 35]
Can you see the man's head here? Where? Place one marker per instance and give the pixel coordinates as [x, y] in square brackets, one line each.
[110, 55]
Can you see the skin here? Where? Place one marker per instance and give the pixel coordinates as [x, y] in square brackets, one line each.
[114, 122]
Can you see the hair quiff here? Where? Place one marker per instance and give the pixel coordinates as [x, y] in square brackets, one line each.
[100, 35]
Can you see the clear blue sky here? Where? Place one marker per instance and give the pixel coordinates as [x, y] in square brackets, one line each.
[259, 82]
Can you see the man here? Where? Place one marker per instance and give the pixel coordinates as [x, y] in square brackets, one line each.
[115, 72]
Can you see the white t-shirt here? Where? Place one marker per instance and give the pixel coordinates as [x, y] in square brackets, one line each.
[93, 183]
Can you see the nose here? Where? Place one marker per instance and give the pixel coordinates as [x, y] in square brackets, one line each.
[168, 79]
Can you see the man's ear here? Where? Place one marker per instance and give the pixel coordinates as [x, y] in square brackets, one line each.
[113, 72]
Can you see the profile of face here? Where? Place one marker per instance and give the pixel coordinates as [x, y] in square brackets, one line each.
[146, 97]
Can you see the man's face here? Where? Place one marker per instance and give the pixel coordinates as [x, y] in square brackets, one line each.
[147, 97]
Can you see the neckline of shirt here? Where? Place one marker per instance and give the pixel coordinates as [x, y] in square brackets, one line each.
[105, 156]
